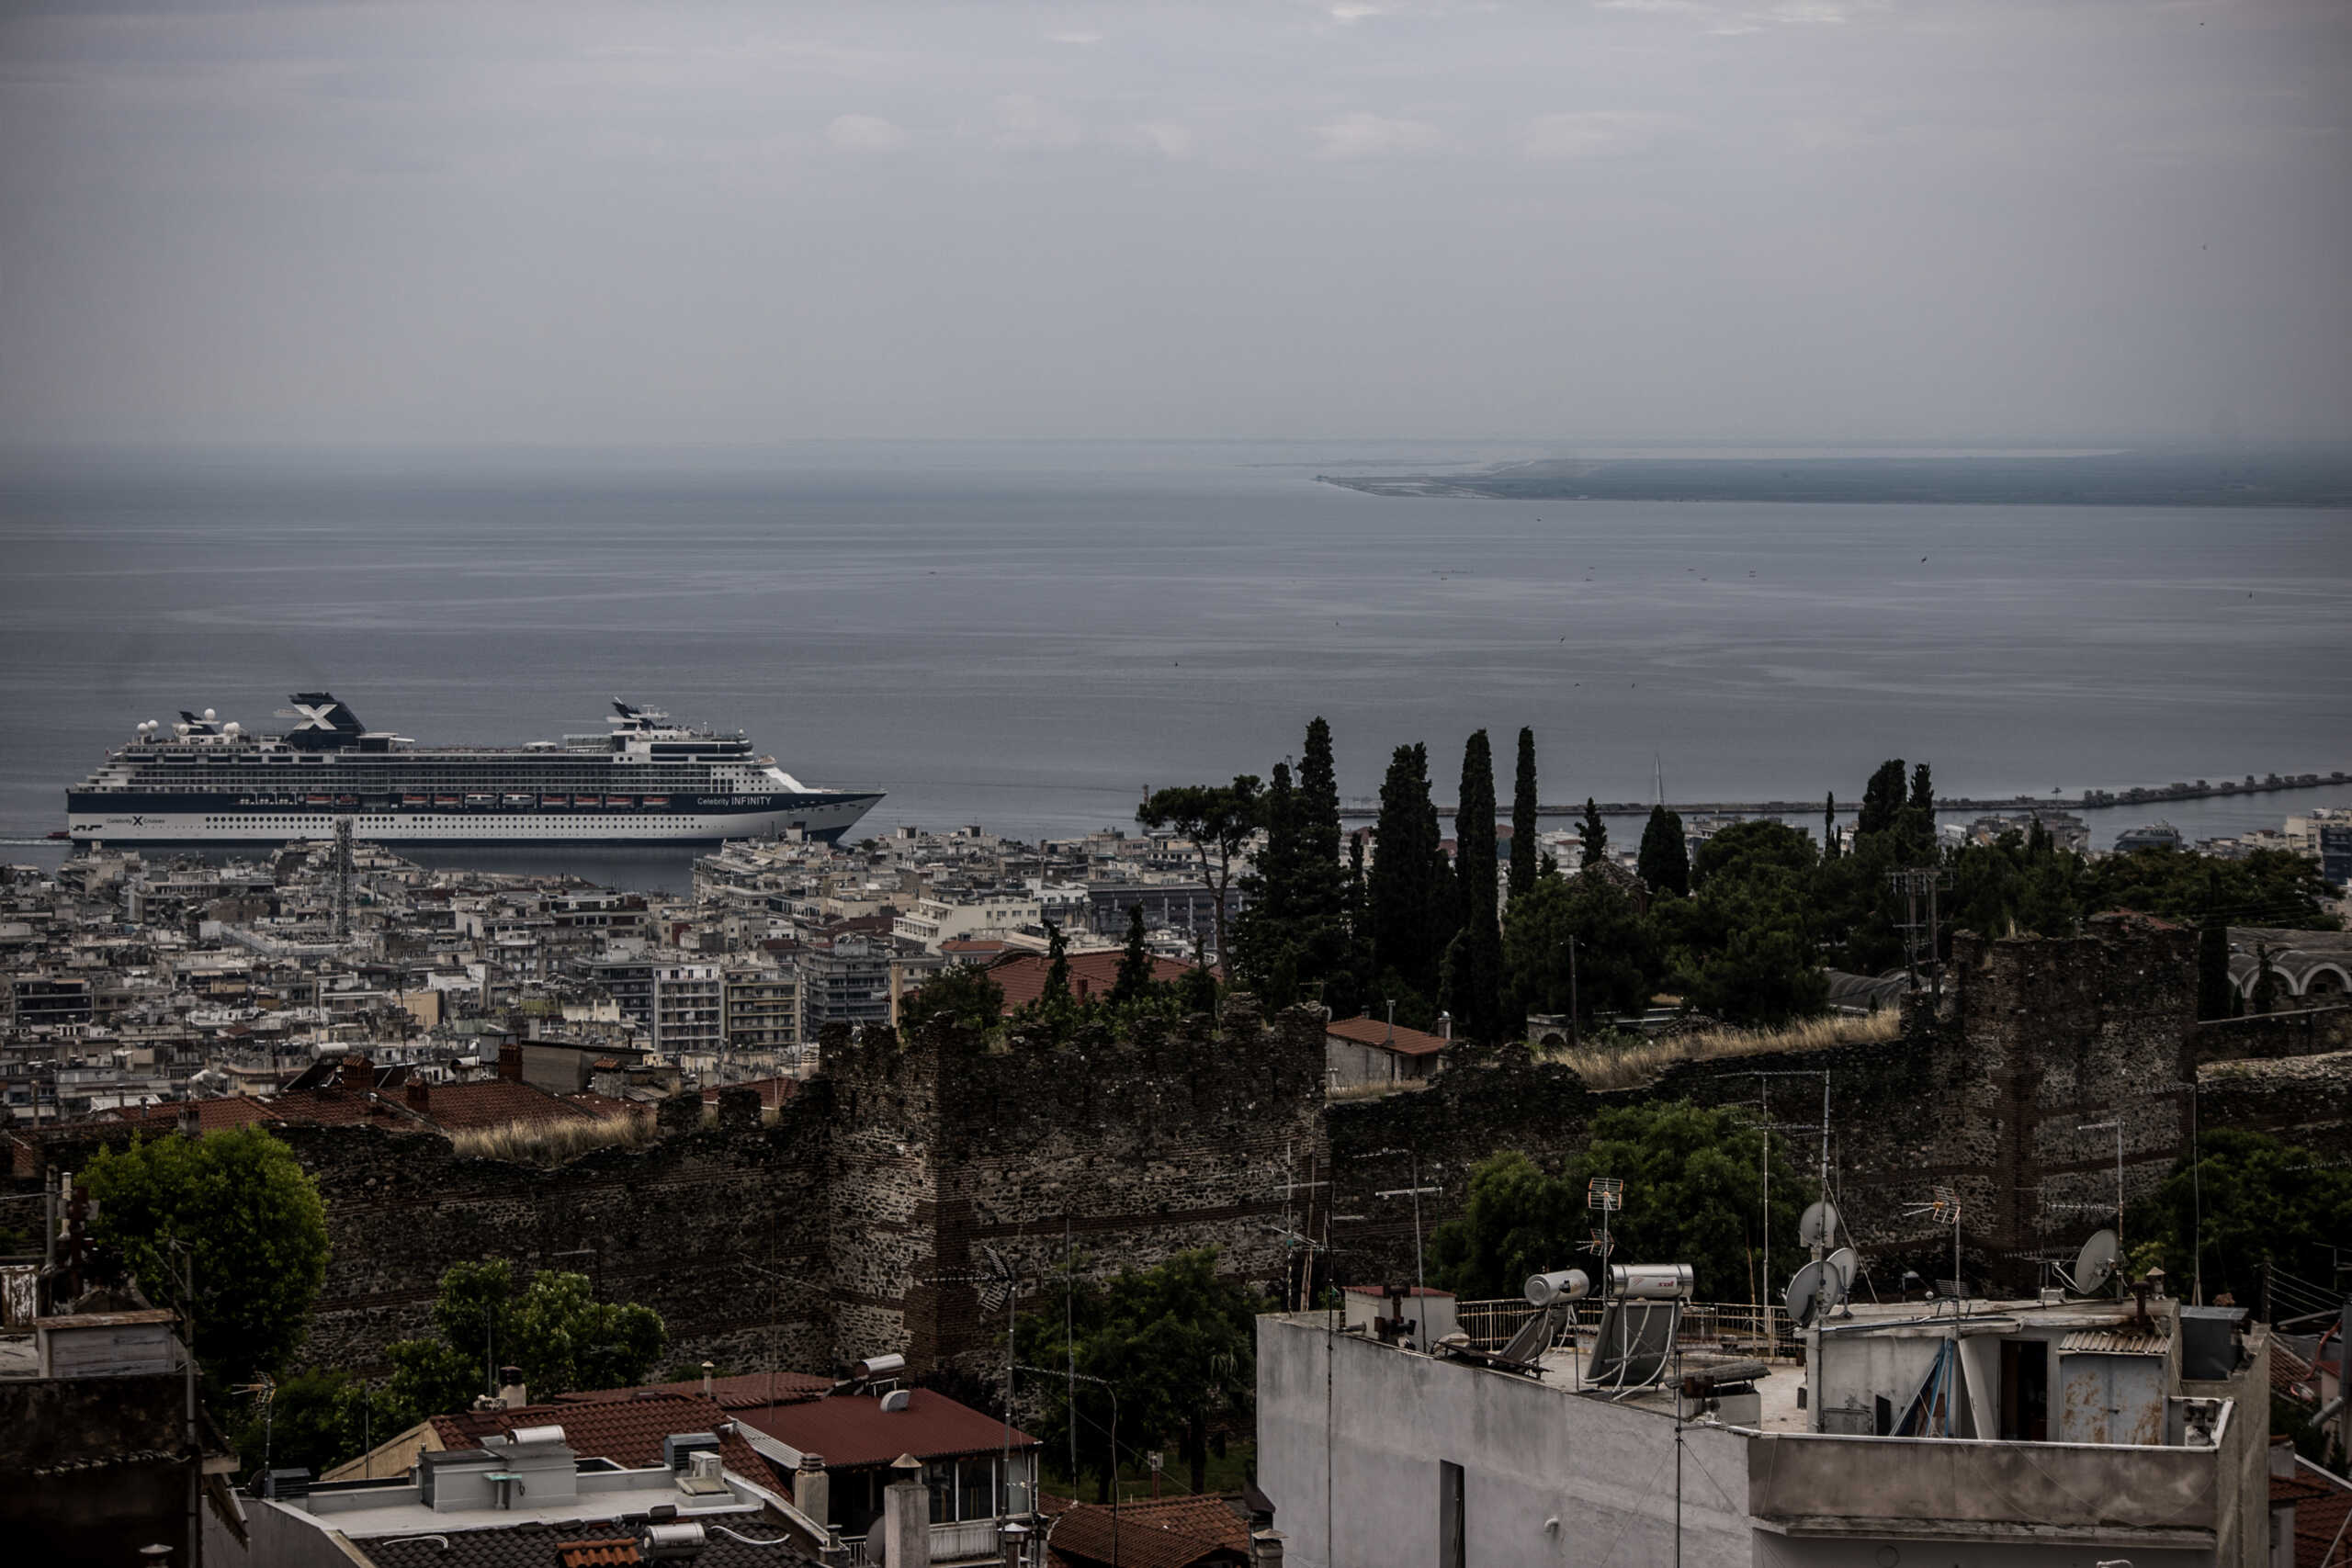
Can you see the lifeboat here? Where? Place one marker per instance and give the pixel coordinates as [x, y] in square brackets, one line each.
[656, 800]
[520, 799]
[587, 800]
[419, 800]
[619, 800]
[477, 800]
[446, 800]
[318, 800]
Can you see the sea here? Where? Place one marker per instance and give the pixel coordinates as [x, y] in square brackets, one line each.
[1029, 636]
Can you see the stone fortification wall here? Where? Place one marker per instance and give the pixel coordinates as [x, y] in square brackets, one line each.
[2311, 1031]
[673, 1224]
[2304, 1100]
[858, 1222]
[1119, 1154]
[2044, 1036]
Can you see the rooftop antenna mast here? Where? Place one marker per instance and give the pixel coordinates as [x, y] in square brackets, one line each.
[2117, 1128]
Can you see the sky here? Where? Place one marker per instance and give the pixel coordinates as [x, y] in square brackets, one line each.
[591, 225]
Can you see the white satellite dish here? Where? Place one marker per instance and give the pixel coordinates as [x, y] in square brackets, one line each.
[1819, 1225]
[1843, 1265]
[1558, 1289]
[1811, 1293]
[2095, 1265]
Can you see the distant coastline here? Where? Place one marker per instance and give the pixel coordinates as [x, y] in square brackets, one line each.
[2315, 477]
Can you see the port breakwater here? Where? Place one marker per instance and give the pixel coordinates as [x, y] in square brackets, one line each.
[2087, 800]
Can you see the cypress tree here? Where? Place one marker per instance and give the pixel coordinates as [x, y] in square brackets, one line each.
[2216, 997]
[1923, 790]
[1320, 882]
[1056, 999]
[1595, 833]
[1522, 818]
[1665, 861]
[1830, 848]
[1266, 940]
[1477, 990]
[1402, 881]
[1881, 799]
[1134, 982]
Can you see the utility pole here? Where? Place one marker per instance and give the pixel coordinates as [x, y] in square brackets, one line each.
[1914, 884]
[1575, 1003]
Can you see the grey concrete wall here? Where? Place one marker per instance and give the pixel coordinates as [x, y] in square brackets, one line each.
[1531, 1452]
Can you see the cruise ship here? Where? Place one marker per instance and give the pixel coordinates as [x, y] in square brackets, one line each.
[645, 781]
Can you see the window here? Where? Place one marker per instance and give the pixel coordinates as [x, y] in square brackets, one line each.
[1453, 1534]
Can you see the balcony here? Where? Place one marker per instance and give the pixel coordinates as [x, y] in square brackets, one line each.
[973, 1541]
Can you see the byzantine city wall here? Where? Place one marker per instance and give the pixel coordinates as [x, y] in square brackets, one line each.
[869, 1214]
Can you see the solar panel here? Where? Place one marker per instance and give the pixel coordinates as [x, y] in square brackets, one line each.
[1635, 1340]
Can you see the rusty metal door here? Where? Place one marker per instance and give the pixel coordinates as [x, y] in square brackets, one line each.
[2112, 1399]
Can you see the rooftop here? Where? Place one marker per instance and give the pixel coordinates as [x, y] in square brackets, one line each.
[853, 1430]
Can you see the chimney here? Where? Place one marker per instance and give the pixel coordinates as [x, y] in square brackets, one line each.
[356, 1074]
[513, 1393]
[812, 1489]
[906, 1516]
[420, 1095]
[190, 1122]
[510, 1061]
[1266, 1550]
[707, 1367]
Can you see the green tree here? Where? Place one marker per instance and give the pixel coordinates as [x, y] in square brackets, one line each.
[1923, 791]
[1693, 1194]
[1321, 899]
[1665, 860]
[1883, 799]
[1744, 945]
[2261, 1200]
[1403, 887]
[1178, 1345]
[249, 1224]
[963, 995]
[312, 1420]
[1267, 937]
[1134, 982]
[1218, 821]
[553, 1328]
[1595, 833]
[2268, 888]
[1523, 829]
[1617, 963]
[1476, 999]
[1830, 848]
[1056, 993]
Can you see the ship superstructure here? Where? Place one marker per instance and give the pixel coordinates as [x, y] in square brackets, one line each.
[644, 781]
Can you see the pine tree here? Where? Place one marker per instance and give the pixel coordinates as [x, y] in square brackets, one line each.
[1595, 833]
[1665, 860]
[1476, 999]
[1522, 817]
[1134, 981]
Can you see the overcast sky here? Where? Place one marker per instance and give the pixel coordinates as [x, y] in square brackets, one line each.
[595, 223]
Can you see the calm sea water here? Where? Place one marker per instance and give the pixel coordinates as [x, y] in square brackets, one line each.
[1027, 635]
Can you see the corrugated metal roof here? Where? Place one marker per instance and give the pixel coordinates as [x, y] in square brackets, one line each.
[2115, 1342]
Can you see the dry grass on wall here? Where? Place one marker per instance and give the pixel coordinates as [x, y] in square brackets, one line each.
[1624, 1066]
[551, 1142]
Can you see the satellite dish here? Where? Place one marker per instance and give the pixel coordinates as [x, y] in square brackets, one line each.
[1809, 1293]
[2095, 1265]
[1818, 1226]
[1843, 1265]
[1558, 1289]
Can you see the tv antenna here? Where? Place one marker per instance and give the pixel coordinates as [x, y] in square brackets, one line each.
[1944, 1209]
[1606, 1195]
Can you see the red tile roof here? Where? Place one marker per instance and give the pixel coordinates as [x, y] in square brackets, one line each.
[852, 1429]
[1171, 1532]
[741, 1392]
[1022, 974]
[1376, 1032]
[2321, 1537]
[626, 1431]
[597, 1553]
[495, 1102]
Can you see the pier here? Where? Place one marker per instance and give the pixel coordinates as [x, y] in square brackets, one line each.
[2089, 800]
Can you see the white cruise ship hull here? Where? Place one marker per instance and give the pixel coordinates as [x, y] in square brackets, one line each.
[130, 825]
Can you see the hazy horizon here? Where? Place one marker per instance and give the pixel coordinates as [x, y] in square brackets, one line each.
[733, 227]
